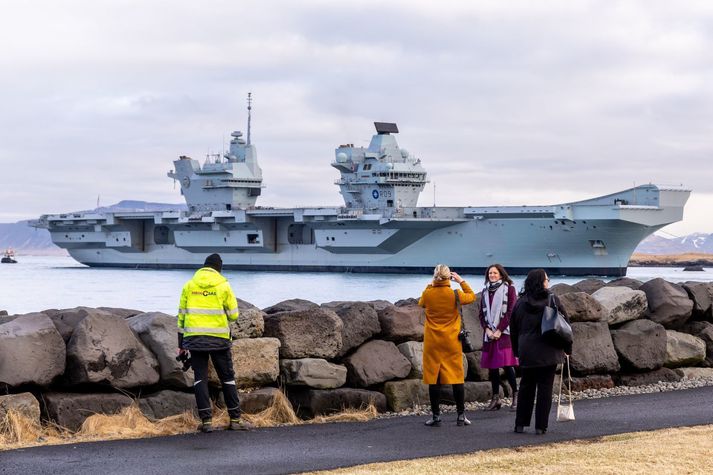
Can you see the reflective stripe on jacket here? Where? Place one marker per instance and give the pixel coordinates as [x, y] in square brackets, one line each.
[207, 305]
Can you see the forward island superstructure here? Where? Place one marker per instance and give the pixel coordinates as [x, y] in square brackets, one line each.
[380, 228]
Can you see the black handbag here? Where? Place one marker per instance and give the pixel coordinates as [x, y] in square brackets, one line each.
[463, 335]
[555, 328]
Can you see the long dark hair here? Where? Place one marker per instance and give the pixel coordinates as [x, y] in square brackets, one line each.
[535, 283]
[503, 274]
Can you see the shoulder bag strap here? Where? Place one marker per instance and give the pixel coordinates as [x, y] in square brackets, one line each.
[569, 379]
[459, 307]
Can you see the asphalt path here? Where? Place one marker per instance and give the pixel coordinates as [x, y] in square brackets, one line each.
[325, 446]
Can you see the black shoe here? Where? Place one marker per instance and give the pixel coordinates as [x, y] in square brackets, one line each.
[462, 420]
[434, 422]
[206, 426]
[540, 431]
[519, 429]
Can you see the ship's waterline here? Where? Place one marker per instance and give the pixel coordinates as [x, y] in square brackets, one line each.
[379, 230]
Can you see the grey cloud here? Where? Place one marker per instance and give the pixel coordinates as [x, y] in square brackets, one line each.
[585, 97]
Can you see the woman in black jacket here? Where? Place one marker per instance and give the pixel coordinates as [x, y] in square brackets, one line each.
[538, 358]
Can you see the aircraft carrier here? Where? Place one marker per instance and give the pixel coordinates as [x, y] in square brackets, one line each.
[379, 229]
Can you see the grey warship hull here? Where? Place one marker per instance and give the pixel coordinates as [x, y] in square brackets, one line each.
[593, 237]
[380, 228]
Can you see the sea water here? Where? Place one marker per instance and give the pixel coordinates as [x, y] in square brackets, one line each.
[38, 283]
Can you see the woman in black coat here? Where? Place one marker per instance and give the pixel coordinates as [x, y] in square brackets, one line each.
[538, 358]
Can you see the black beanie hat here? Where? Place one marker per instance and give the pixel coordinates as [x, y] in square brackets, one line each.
[214, 262]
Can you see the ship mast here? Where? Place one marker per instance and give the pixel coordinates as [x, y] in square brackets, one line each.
[250, 101]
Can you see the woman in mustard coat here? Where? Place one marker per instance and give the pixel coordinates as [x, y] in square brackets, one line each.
[442, 351]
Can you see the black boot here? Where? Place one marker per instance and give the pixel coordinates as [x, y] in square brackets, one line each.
[494, 404]
[435, 421]
[462, 420]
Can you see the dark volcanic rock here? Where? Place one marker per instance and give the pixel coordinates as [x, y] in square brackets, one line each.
[405, 394]
[104, 350]
[292, 305]
[471, 319]
[70, 410]
[582, 307]
[23, 403]
[258, 400]
[360, 323]
[640, 344]
[683, 349]
[67, 319]
[704, 331]
[313, 402]
[621, 304]
[702, 295]
[167, 403]
[669, 304]
[475, 371]
[652, 377]
[120, 312]
[31, 351]
[593, 381]
[589, 285]
[158, 332]
[593, 351]
[313, 372]
[250, 323]
[633, 284]
[311, 333]
[561, 289]
[399, 324]
[375, 362]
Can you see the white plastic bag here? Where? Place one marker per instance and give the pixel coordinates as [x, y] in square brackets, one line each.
[565, 412]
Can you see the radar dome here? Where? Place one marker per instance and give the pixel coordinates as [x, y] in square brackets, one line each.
[404, 153]
[341, 157]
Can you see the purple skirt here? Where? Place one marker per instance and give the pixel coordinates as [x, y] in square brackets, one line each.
[498, 354]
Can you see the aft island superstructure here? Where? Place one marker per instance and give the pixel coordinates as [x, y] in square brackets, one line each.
[380, 228]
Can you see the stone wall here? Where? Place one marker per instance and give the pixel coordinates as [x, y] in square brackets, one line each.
[68, 364]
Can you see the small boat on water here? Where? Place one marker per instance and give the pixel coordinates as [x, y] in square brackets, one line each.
[8, 257]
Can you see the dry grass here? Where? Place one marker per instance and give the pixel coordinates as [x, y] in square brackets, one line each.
[349, 415]
[672, 259]
[18, 431]
[280, 412]
[668, 451]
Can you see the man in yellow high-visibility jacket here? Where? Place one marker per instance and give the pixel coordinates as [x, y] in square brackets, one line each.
[207, 307]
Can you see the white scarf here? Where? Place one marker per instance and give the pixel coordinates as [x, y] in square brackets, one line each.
[493, 314]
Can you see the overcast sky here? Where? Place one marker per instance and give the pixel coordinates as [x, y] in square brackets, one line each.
[505, 102]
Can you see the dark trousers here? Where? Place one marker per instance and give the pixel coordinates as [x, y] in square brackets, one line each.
[494, 376]
[535, 380]
[434, 394]
[223, 364]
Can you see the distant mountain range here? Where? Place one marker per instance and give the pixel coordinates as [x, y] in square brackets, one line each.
[27, 240]
[696, 243]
